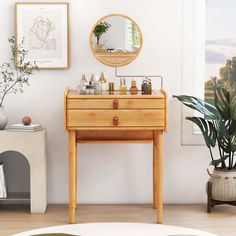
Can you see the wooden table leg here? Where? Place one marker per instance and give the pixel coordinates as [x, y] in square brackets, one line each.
[76, 176]
[155, 169]
[72, 174]
[209, 204]
[159, 159]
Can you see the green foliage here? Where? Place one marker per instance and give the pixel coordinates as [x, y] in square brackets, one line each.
[218, 125]
[100, 29]
[222, 103]
[199, 105]
[15, 74]
[228, 74]
[207, 128]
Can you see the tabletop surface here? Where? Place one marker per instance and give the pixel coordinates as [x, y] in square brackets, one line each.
[116, 94]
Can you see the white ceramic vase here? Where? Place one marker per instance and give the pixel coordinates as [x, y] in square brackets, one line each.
[3, 118]
[98, 48]
[223, 185]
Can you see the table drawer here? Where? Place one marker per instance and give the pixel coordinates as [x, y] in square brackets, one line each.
[112, 118]
[148, 103]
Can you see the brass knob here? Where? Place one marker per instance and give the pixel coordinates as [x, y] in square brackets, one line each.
[115, 120]
[115, 104]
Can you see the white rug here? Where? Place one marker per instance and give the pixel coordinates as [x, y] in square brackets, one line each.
[118, 229]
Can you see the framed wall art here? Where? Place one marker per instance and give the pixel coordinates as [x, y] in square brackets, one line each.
[45, 30]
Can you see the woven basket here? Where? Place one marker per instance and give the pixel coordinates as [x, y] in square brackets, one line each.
[223, 185]
[116, 58]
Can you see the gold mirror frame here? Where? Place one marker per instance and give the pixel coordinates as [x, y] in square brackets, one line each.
[115, 59]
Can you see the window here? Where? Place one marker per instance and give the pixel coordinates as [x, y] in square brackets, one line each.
[209, 54]
[220, 64]
[132, 36]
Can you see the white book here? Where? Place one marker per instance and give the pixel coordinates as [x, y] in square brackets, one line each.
[3, 181]
[24, 127]
[24, 130]
[1, 187]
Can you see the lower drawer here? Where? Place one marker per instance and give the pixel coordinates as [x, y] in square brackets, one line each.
[111, 118]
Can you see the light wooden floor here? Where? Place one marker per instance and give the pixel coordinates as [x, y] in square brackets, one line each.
[15, 219]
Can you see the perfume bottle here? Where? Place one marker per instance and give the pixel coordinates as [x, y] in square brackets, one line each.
[149, 84]
[111, 88]
[103, 83]
[96, 85]
[90, 88]
[133, 89]
[144, 87]
[123, 88]
[92, 79]
[82, 85]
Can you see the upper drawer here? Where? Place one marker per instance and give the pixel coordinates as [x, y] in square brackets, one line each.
[131, 103]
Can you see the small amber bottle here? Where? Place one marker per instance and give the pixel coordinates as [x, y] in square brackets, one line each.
[133, 89]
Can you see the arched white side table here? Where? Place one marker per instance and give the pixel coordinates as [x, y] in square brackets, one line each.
[33, 146]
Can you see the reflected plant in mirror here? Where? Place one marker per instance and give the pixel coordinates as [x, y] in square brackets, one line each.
[100, 29]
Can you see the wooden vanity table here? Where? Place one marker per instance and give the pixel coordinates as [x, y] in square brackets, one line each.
[116, 119]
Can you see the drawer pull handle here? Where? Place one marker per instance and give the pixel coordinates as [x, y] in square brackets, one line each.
[115, 104]
[115, 120]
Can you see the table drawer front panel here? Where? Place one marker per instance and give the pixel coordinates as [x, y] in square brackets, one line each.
[112, 118]
[121, 103]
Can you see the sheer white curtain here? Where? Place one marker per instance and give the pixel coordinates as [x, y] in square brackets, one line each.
[193, 64]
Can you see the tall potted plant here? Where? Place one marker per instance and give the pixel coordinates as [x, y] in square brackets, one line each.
[14, 75]
[98, 31]
[218, 127]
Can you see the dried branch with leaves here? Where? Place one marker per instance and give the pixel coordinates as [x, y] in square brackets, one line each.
[15, 74]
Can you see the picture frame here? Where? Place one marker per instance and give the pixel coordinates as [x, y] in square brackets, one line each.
[44, 27]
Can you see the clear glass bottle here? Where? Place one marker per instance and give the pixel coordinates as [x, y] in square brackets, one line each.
[89, 89]
[123, 88]
[103, 83]
[102, 79]
[92, 80]
[96, 84]
[81, 89]
[133, 89]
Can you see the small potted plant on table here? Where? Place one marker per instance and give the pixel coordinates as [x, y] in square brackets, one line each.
[218, 127]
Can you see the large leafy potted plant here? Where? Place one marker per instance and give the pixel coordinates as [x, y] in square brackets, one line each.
[218, 127]
[14, 75]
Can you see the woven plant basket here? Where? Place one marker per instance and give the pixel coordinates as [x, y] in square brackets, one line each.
[223, 185]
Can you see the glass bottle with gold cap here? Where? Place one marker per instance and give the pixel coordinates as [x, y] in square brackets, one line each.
[123, 88]
[103, 83]
[81, 89]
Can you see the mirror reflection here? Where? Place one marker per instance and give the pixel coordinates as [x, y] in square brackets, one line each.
[116, 40]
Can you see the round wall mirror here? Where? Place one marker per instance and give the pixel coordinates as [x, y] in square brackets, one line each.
[116, 40]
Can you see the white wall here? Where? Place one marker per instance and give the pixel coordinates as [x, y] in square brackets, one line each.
[113, 173]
